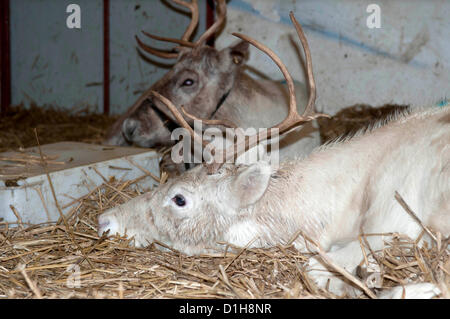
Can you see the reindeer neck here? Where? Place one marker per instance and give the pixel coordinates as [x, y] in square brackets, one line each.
[254, 103]
[338, 183]
[327, 187]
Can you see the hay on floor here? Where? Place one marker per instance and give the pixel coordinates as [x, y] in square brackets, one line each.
[53, 125]
[69, 260]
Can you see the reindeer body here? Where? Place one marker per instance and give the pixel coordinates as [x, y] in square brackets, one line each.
[224, 91]
[209, 84]
[341, 190]
[347, 188]
[259, 103]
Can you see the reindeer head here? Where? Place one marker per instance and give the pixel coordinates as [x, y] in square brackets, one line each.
[215, 203]
[200, 80]
[192, 212]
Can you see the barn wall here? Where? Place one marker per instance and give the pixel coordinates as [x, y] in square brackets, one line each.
[54, 65]
[406, 61]
[132, 73]
[51, 64]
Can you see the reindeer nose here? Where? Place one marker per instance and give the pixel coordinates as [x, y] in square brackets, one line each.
[129, 126]
[107, 222]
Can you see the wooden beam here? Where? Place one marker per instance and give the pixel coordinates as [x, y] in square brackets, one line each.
[5, 56]
[210, 8]
[106, 61]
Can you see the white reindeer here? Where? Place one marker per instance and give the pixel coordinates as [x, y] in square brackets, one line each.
[340, 191]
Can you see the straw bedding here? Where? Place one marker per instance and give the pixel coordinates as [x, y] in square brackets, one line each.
[69, 260]
[16, 126]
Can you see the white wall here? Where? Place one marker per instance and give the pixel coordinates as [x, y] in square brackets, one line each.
[51, 64]
[406, 61]
[131, 73]
[54, 65]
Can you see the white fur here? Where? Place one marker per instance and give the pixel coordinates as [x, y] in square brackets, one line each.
[413, 291]
[340, 191]
[241, 234]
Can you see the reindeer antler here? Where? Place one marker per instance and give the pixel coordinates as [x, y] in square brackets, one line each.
[184, 41]
[224, 122]
[179, 118]
[193, 7]
[292, 120]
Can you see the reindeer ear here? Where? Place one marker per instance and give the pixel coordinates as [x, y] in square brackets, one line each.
[239, 52]
[251, 183]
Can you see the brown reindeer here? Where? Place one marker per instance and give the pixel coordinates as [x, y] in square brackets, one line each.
[210, 84]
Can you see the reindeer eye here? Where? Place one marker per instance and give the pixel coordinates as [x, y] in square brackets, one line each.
[188, 82]
[179, 200]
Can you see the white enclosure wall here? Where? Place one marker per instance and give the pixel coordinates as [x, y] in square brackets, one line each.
[54, 65]
[406, 61]
[131, 72]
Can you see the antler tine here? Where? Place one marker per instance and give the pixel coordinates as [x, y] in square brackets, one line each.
[193, 7]
[179, 118]
[221, 14]
[292, 115]
[311, 82]
[159, 53]
[184, 41]
[224, 122]
[293, 119]
[173, 40]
